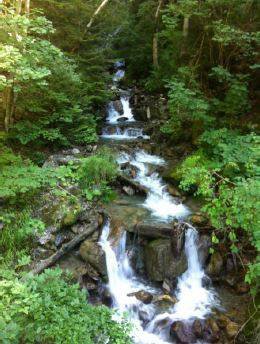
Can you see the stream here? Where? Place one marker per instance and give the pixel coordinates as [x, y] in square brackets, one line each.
[150, 323]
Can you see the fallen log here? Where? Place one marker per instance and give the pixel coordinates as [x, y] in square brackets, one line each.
[44, 264]
[135, 185]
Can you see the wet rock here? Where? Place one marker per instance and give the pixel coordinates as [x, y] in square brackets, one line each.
[122, 119]
[199, 219]
[160, 262]
[167, 286]
[215, 265]
[93, 254]
[144, 316]
[181, 333]
[204, 245]
[231, 329]
[118, 106]
[106, 296]
[197, 328]
[128, 190]
[143, 296]
[165, 300]
[117, 229]
[211, 331]
[63, 237]
[174, 191]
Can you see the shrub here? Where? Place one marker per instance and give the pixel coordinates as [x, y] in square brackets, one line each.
[46, 309]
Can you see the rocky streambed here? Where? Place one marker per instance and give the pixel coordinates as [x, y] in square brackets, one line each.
[146, 253]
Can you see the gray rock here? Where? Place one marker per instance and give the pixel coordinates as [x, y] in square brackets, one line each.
[143, 296]
[160, 262]
[215, 265]
[93, 254]
[128, 190]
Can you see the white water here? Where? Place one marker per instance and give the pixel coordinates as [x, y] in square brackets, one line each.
[124, 134]
[114, 116]
[194, 300]
[161, 204]
[122, 281]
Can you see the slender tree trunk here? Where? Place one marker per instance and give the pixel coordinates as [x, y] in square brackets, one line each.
[103, 4]
[19, 6]
[185, 30]
[27, 7]
[185, 33]
[155, 36]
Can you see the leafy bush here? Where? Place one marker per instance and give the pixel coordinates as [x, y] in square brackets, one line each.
[187, 107]
[225, 172]
[47, 309]
[95, 175]
[18, 230]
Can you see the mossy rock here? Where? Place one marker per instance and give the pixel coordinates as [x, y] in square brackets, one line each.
[58, 210]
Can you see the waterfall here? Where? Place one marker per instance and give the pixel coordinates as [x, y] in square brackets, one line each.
[194, 299]
[161, 204]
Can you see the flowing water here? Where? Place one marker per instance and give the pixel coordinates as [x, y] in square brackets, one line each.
[194, 300]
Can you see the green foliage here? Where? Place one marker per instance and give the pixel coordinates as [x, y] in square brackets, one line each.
[186, 107]
[21, 179]
[51, 109]
[225, 172]
[47, 309]
[95, 175]
[19, 228]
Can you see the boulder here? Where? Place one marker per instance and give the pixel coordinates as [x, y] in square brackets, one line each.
[215, 265]
[181, 333]
[199, 219]
[204, 245]
[58, 210]
[143, 296]
[160, 262]
[211, 331]
[122, 119]
[165, 300]
[118, 106]
[197, 328]
[174, 191]
[93, 254]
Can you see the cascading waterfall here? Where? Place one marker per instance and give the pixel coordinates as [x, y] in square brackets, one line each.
[113, 130]
[194, 300]
[161, 204]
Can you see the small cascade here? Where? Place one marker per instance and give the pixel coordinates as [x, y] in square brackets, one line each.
[161, 204]
[119, 125]
[194, 300]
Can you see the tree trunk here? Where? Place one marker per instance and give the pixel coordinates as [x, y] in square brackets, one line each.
[8, 107]
[19, 6]
[27, 7]
[155, 36]
[103, 4]
[185, 32]
[155, 50]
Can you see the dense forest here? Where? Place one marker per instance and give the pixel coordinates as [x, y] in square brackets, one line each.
[193, 67]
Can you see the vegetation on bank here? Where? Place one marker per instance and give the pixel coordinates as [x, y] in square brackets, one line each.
[202, 55]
